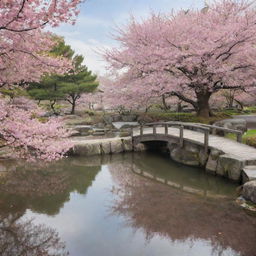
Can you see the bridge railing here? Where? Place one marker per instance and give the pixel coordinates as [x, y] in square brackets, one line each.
[205, 129]
[214, 129]
[179, 125]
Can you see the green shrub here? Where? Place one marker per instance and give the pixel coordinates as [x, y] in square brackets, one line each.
[90, 112]
[181, 117]
[251, 141]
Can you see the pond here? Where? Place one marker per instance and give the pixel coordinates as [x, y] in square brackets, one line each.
[128, 204]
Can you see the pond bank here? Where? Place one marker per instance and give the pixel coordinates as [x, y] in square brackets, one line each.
[215, 161]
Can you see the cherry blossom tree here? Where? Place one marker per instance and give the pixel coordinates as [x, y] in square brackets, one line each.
[195, 53]
[24, 57]
[22, 37]
[28, 137]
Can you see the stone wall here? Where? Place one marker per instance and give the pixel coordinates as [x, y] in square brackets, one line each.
[105, 146]
[213, 161]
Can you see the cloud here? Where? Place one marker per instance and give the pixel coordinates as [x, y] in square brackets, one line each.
[99, 18]
[91, 50]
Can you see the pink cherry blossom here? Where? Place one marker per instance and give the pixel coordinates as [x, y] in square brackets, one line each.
[195, 53]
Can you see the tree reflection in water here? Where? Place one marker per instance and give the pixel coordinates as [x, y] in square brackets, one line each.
[45, 190]
[158, 209]
[22, 238]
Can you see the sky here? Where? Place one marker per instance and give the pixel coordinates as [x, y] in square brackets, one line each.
[98, 19]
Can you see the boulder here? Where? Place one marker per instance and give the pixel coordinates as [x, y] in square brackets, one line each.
[129, 118]
[99, 132]
[82, 130]
[105, 147]
[212, 161]
[127, 145]
[99, 125]
[108, 119]
[249, 173]
[124, 125]
[203, 157]
[230, 167]
[249, 191]
[116, 146]
[188, 155]
[86, 149]
[140, 147]
[235, 124]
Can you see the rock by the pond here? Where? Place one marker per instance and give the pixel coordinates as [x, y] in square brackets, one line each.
[212, 161]
[140, 147]
[129, 118]
[83, 147]
[249, 191]
[127, 145]
[230, 167]
[249, 173]
[122, 125]
[188, 155]
[88, 149]
[98, 132]
[116, 146]
[82, 130]
[105, 147]
[235, 124]
[125, 132]
[203, 157]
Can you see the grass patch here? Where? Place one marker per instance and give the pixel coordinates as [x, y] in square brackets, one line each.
[182, 117]
[245, 111]
[248, 138]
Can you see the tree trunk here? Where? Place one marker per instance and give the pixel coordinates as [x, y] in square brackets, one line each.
[179, 107]
[73, 104]
[240, 103]
[203, 107]
[52, 104]
[166, 107]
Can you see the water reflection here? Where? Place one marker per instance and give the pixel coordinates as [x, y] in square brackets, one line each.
[130, 204]
[45, 190]
[22, 237]
[161, 210]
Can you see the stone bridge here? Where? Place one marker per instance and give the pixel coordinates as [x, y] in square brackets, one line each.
[191, 144]
[201, 145]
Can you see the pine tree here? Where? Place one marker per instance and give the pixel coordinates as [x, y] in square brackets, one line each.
[69, 86]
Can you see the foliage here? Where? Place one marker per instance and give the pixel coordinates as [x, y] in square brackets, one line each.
[189, 54]
[24, 44]
[76, 83]
[24, 57]
[182, 117]
[30, 138]
[69, 86]
[251, 141]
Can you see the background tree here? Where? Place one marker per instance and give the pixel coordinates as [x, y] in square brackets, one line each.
[77, 82]
[24, 57]
[48, 88]
[70, 86]
[197, 52]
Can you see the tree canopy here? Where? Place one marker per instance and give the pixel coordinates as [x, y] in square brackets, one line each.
[69, 86]
[24, 57]
[189, 54]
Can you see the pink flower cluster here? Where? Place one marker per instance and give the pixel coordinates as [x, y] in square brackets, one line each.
[30, 138]
[195, 53]
[24, 46]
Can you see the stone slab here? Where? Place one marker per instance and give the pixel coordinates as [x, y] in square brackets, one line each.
[249, 173]
[249, 191]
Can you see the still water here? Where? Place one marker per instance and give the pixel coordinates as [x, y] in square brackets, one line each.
[129, 205]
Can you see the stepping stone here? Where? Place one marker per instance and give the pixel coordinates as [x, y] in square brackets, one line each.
[249, 173]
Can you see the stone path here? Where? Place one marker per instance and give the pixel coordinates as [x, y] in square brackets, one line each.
[238, 150]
